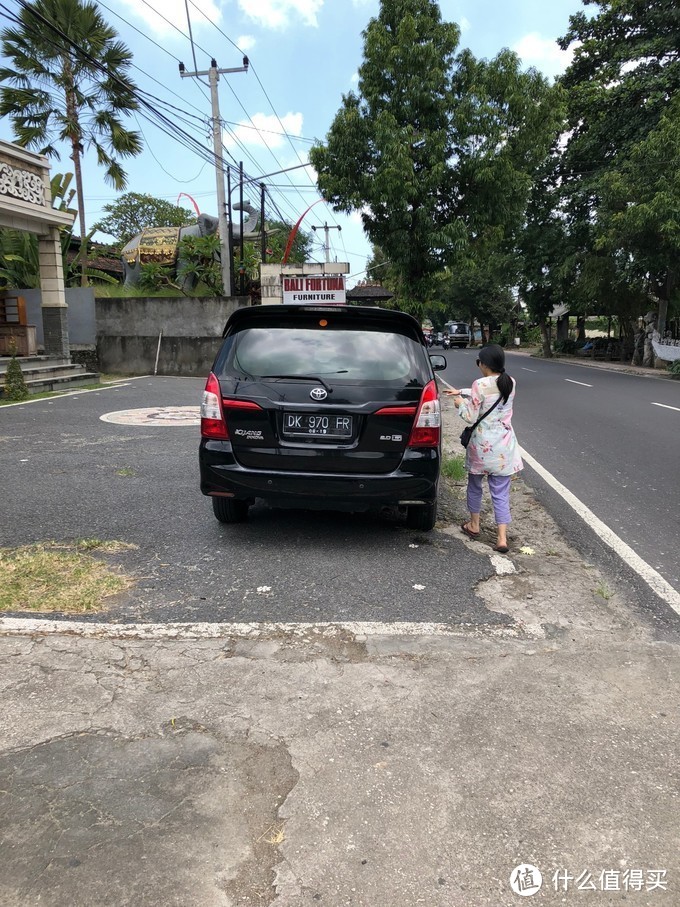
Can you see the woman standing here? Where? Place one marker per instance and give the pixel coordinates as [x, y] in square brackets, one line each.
[493, 450]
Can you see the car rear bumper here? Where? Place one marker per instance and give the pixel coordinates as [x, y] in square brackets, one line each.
[416, 480]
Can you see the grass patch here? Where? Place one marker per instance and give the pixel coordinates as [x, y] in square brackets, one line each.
[59, 577]
[454, 468]
[603, 590]
[47, 394]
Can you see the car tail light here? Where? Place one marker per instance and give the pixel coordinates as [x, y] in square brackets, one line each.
[396, 411]
[427, 429]
[213, 424]
[230, 403]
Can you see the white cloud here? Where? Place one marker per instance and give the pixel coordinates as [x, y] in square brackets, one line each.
[245, 43]
[281, 13]
[162, 15]
[264, 130]
[543, 53]
[464, 24]
[355, 78]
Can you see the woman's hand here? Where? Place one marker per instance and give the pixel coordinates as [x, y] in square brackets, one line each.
[454, 392]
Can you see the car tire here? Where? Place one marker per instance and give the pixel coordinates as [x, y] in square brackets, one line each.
[230, 510]
[422, 517]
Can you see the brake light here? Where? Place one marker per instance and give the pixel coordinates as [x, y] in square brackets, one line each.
[212, 418]
[427, 429]
[230, 403]
[396, 411]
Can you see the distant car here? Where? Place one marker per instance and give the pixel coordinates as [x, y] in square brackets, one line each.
[459, 333]
[322, 407]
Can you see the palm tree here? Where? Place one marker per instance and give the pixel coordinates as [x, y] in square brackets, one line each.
[68, 83]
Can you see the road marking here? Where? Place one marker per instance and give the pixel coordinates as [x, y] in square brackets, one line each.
[18, 625]
[666, 406]
[156, 415]
[577, 382]
[654, 580]
[525, 369]
[58, 394]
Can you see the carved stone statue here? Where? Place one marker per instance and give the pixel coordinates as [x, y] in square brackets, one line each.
[651, 333]
[638, 346]
[250, 217]
[160, 245]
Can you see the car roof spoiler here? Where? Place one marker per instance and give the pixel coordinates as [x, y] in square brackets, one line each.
[252, 315]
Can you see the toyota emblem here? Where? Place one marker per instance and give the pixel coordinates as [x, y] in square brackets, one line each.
[319, 393]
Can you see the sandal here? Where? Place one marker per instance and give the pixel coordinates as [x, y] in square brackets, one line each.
[470, 534]
[501, 549]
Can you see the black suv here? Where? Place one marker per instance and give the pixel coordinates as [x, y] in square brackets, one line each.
[324, 407]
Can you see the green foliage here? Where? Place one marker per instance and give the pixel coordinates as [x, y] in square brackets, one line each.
[201, 261]
[567, 347]
[674, 369]
[135, 211]
[67, 81]
[277, 239]
[153, 277]
[15, 383]
[618, 172]
[19, 261]
[436, 150]
[454, 468]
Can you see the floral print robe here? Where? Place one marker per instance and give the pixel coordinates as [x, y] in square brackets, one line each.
[493, 448]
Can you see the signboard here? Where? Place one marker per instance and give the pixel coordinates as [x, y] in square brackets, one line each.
[314, 290]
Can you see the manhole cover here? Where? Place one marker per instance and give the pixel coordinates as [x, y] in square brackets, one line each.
[156, 415]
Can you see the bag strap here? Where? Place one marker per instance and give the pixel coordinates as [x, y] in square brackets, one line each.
[484, 415]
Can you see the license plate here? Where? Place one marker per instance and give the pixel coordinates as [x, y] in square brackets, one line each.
[312, 425]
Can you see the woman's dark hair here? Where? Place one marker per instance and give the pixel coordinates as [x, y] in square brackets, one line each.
[493, 358]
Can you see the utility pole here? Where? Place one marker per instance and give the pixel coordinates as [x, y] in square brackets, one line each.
[213, 77]
[327, 245]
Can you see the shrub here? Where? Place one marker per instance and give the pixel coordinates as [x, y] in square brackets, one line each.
[566, 346]
[15, 383]
[674, 369]
[531, 336]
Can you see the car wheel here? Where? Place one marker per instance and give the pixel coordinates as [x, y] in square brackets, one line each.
[422, 518]
[229, 510]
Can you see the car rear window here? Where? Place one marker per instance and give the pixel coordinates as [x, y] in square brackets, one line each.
[338, 354]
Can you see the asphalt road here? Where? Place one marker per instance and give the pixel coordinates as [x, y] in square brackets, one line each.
[610, 437]
[69, 475]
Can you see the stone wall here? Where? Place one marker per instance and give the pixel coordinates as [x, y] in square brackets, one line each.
[125, 331]
[184, 333]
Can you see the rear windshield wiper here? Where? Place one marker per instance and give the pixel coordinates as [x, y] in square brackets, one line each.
[301, 378]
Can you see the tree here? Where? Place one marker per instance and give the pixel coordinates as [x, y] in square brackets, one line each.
[640, 209]
[542, 249]
[436, 150]
[620, 85]
[387, 150]
[135, 211]
[68, 82]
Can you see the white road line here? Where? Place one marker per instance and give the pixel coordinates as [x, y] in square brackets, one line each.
[18, 625]
[654, 580]
[525, 369]
[666, 406]
[58, 395]
[578, 382]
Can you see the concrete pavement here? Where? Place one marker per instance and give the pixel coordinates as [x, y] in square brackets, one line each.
[352, 764]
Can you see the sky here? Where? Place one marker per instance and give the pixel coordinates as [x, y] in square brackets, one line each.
[304, 55]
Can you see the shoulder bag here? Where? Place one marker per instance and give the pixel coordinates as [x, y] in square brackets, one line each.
[467, 432]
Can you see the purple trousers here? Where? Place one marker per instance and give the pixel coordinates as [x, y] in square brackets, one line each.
[499, 487]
